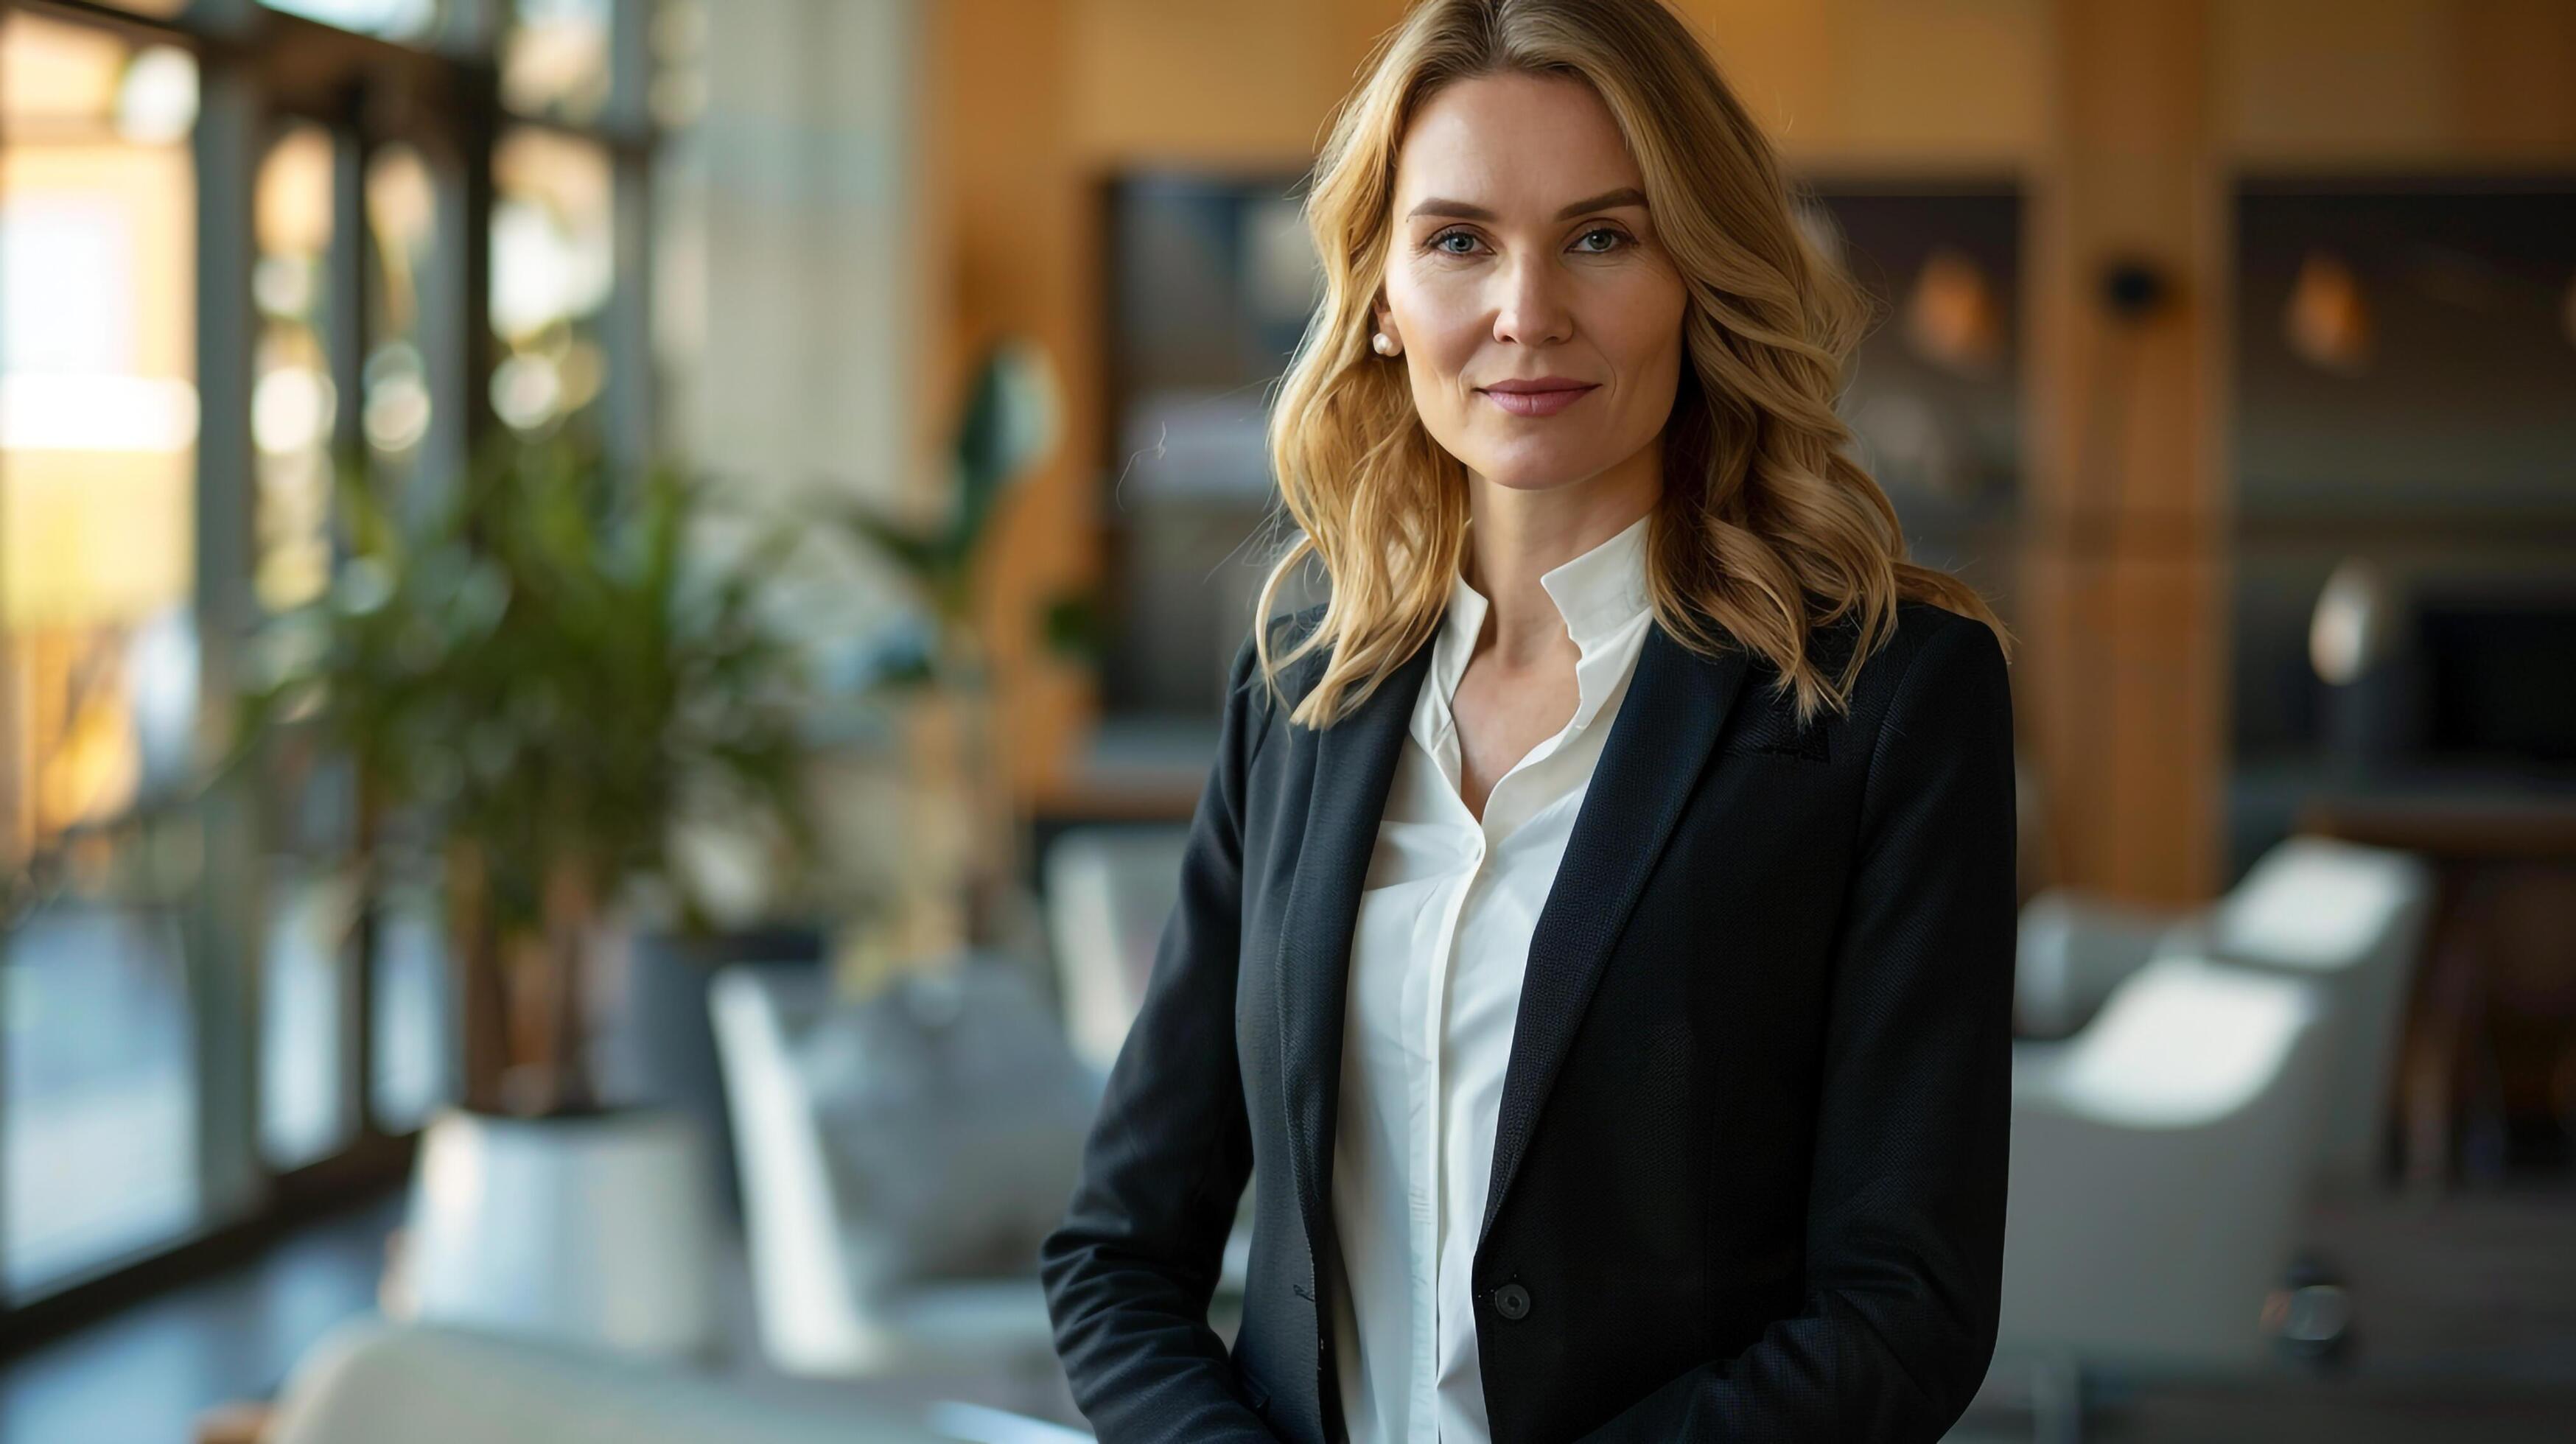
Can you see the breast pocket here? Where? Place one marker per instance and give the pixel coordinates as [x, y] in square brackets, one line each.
[1807, 747]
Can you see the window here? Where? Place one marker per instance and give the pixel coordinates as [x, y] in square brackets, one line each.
[221, 281]
[552, 262]
[98, 419]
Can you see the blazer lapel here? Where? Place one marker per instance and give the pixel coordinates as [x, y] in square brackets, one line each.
[1354, 766]
[1676, 703]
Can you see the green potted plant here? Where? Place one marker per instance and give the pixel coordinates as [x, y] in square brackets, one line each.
[541, 678]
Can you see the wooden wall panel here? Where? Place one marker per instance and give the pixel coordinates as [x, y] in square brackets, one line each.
[2123, 495]
[2395, 84]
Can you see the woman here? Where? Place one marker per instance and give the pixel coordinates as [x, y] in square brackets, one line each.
[1595, 937]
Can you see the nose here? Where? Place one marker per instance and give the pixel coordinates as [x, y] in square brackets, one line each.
[1530, 308]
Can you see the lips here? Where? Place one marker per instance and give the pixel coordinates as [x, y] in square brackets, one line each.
[1544, 396]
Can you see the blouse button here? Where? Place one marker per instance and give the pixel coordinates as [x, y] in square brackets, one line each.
[1512, 1301]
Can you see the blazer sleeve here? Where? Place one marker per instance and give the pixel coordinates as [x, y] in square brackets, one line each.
[1130, 1270]
[1905, 1214]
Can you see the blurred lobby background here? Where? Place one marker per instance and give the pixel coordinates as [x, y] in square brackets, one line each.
[684, 1033]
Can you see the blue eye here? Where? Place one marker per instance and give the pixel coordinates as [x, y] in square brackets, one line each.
[1440, 242]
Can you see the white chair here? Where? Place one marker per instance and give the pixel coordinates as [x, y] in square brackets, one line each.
[812, 1321]
[2072, 948]
[2351, 919]
[1110, 892]
[2159, 1165]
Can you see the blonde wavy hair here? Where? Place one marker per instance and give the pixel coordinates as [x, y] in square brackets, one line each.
[1767, 528]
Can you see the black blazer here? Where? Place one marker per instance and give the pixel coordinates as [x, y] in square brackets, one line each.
[1748, 1176]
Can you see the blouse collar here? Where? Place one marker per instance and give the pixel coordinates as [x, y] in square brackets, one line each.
[1602, 596]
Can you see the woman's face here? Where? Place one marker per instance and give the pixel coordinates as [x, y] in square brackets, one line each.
[1522, 253]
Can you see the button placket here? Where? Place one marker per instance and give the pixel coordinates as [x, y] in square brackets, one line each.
[1458, 999]
[1433, 1142]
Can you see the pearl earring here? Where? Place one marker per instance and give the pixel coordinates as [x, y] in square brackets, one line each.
[1384, 343]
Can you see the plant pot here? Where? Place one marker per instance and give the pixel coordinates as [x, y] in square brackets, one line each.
[593, 1230]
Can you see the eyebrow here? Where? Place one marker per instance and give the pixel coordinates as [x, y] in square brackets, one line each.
[1624, 196]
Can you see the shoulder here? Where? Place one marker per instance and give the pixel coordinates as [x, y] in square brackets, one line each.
[1947, 644]
[1286, 632]
[1250, 700]
[1289, 628]
[1940, 694]
[1927, 638]
[1768, 720]
[1928, 634]
[1934, 668]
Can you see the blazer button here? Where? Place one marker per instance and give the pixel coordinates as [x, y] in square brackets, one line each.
[1512, 1301]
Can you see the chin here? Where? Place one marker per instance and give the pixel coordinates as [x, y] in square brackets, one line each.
[1539, 468]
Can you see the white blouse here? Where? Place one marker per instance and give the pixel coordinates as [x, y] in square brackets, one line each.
[1437, 955]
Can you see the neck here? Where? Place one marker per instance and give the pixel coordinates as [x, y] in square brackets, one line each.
[1518, 535]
